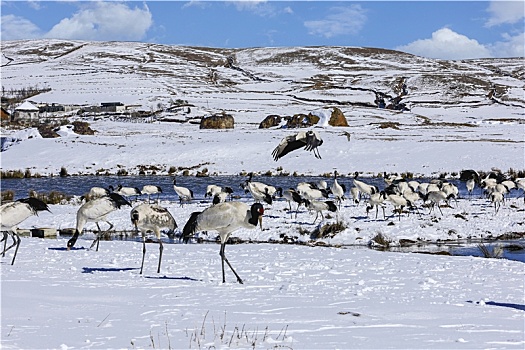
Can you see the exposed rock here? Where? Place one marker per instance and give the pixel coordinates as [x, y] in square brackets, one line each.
[218, 121]
[47, 131]
[270, 121]
[337, 118]
[301, 121]
[82, 128]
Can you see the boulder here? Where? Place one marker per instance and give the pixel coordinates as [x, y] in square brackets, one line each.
[301, 121]
[337, 118]
[82, 128]
[47, 131]
[218, 121]
[270, 121]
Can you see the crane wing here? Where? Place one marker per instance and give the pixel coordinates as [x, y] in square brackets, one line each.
[287, 145]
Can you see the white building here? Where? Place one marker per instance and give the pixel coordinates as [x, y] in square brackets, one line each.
[26, 112]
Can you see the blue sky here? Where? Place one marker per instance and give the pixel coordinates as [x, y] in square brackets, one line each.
[436, 29]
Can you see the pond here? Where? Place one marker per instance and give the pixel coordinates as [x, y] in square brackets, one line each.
[80, 185]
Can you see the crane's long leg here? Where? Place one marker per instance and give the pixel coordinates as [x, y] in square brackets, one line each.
[17, 245]
[223, 259]
[97, 237]
[297, 210]
[161, 248]
[12, 234]
[143, 252]
[316, 215]
[99, 234]
[4, 238]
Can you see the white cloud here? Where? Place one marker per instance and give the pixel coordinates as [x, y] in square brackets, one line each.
[259, 7]
[104, 21]
[288, 10]
[35, 5]
[16, 28]
[196, 3]
[502, 12]
[447, 44]
[511, 46]
[248, 5]
[342, 21]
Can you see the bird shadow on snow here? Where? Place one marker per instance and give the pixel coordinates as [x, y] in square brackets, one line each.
[65, 248]
[494, 303]
[173, 278]
[107, 269]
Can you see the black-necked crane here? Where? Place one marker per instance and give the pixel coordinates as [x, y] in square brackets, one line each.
[364, 188]
[259, 190]
[97, 192]
[470, 184]
[185, 194]
[471, 178]
[292, 195]
[152, 217]
[399, 202]
[488, 182]
[413, 198]
[376, 200]
[310, 140]
[12, 214]
[128, 192]
[151, 189]
[338, 190]
[96, 211]
[215, 190]
[497, 198]
[319, 206]
[311, 191]
[212, 190]
[219, 198]
[224, 218]
[451, 191]
[435, 198]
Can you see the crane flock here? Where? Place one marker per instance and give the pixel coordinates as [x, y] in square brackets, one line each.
[225, 216]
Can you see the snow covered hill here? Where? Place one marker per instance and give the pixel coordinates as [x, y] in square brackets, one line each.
[472, 109]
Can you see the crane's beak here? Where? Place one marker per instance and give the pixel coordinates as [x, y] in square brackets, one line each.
[260, 222]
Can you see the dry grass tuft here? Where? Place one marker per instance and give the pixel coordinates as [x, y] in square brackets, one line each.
[328, 230]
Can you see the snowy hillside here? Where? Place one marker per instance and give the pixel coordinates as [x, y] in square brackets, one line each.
[472, 109]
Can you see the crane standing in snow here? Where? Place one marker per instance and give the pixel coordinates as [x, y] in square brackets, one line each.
[151, 217]
[338, 190]
[224, 218]
[185, 194]
[96, 211]
[12, 214]
[151, 189]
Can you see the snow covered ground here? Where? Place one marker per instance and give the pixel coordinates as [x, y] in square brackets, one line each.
[293, 296]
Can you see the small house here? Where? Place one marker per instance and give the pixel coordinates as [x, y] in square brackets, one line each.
[27, 112]
[112, 107]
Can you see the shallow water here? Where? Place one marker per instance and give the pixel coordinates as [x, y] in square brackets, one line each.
[80, 185]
